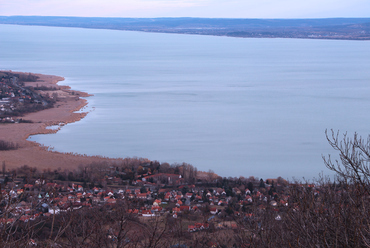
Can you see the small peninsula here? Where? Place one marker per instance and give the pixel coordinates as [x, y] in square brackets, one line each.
[15, 128]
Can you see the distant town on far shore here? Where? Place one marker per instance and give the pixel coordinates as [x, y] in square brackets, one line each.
[324, 28]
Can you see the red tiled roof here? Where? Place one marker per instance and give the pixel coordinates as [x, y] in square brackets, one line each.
[133, 211]
[184, 208]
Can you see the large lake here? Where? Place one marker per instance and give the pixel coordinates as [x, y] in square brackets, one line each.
[241, 107]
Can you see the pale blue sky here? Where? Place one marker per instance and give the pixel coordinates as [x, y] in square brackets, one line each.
[189, 8]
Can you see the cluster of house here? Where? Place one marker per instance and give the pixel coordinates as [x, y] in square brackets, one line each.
[198, 227]
[12, 96]
[30, 201]
[7, 96]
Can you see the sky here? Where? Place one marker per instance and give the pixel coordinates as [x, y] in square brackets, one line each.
[189, 8]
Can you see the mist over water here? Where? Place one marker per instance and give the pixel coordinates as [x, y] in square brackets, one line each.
[250, 107]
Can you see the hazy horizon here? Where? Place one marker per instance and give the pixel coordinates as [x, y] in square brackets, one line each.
[192, 17]
[266, 9]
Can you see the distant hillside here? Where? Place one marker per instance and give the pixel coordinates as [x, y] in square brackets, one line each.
[331, 28]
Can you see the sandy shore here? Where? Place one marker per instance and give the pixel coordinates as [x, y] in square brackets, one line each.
[33, 154]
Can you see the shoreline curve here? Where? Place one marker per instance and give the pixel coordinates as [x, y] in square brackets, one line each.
[37, 155]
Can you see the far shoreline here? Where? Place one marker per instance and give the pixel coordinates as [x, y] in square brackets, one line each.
[306, 28]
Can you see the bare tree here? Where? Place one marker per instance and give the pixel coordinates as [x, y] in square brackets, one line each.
[353, 166]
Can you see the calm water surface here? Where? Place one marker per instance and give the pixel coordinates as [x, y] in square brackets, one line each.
[237, 106]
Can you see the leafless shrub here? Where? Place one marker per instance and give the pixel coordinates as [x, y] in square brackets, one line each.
[6, 145]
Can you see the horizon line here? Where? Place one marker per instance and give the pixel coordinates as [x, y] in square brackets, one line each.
[187, 17]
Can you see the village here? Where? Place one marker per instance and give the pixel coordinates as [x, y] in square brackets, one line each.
[16, 99]
[209, 202]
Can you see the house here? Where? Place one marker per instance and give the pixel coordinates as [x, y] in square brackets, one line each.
[156, 208]
[188, 195]
[80, 188]
[195, 208]
[32, 243]
[76, 205]
[167, 196]
[237, 191]
[131, 196]
[176, 210]
[142, 196]
[7, 220]
[54, 210]
[156, 202]
[184, 208]
[198, 227]
[191, 228]
[109, 193]
[273, 203]
[147, 213]
[201, 226]
[133, 211]
[213, 210]
[23, 206]
[278, 217]
[249, 215]
[284, 203]
[28, 186]
[24, 218]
